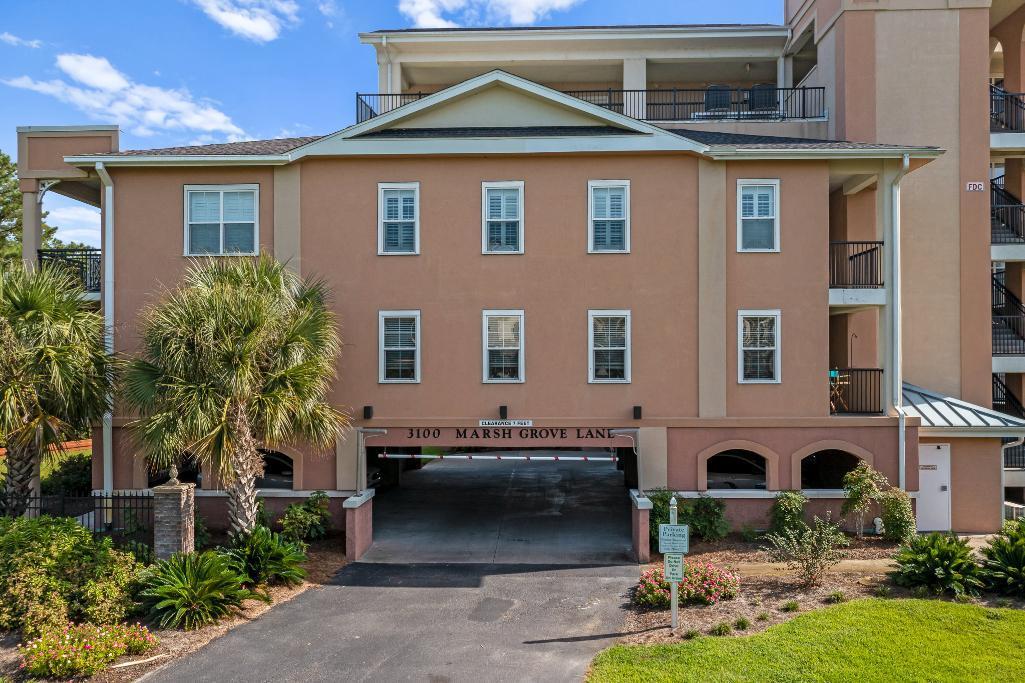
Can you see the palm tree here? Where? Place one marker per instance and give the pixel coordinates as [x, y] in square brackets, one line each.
[239, 357]
[55, 374]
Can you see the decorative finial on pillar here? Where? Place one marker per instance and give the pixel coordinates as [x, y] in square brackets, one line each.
[172, 472]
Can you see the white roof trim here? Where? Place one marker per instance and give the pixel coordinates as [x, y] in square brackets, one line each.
[577, 33]
[730, 154]
[478, 83]
[947, 416]
[180, 160]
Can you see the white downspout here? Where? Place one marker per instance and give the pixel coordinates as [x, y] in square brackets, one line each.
[108, 313]
[897, 374]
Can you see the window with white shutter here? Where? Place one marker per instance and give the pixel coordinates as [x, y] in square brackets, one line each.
[608, 228]
[758, 347]
[221, 220]
[400, 346]
[503, 346]
[609, 335]
[758, 215]
[502, 217]
[399, 218]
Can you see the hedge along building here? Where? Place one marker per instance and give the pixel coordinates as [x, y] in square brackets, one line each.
[500, 248]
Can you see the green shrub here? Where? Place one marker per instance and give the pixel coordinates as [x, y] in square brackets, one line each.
[703, 584]
[71, 473]
[706, 517]
[790, 606]
[742, 624]
[691, 634]
[83, 650]
[53, 571]
[763, 616]
[659, 512]
[200, 533]
[748, 534]
[897, 514]
[1003, 565]
[809, 550]
[262, 516]
[307, 521]
[787, 511]
[861, 485]
[882, 591]
[721, 629]
[941, 562]
[836, 597]
[191, 590]
[265, 558]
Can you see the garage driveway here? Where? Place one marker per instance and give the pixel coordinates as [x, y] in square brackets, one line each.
[437, 597]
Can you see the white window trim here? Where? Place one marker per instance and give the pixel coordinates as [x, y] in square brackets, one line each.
[380, 346]
[248, 187]
[499, 185]
[778, 369]
[741, 183]
[600, 313]
[489, 313]
[591, 185]
[381, 187]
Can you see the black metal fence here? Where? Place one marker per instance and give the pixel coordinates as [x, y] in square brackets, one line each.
[1008, 321]
[1007, 216]
[1006, 110]
[1014, 457]
[715, 103]
[125, 516]
[85, 264]
[855, 391]
[856, 264]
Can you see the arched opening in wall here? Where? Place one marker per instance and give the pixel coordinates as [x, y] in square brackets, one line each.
[826, 469]
[996, 62]
[278, 471]
[737, 469]
[189, 472]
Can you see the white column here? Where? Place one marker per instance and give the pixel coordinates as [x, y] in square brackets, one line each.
[635, 77]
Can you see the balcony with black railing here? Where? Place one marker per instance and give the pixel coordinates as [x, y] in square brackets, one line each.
[85, 264]
[1006, 111]
[1007, 215]
[1008, 321]
[1004, 399]
[856, 265]
[714, 103]
[855, 391]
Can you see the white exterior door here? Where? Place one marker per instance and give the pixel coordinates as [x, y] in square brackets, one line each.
[933, 504]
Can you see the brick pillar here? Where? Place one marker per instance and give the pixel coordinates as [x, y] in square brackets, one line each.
[174, 514]
[641, 514]
[359, 524]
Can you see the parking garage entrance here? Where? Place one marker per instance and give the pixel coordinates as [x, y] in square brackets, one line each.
[485, 503]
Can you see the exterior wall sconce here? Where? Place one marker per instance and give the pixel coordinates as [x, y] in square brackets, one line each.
[368, 412]
[503, 412]
[637, 412]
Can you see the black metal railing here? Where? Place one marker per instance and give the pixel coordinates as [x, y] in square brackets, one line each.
[1014, 457]
[125, 516]
[1004, 399]
[856, 264]
[855, 391]
[1008, 321]
[1007, 215]
[1006, 110]
[715, 103]
[85, 264]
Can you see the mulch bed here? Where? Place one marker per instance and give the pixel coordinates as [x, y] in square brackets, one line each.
[326, 558]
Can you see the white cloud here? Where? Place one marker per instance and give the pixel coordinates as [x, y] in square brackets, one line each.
[75, 223]
[106, 94]
[258, 20]
[14, 40]
[432, 13]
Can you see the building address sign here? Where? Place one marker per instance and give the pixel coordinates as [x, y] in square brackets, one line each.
[519, 433]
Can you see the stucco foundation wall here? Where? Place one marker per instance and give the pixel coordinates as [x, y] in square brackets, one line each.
[756, 512]
[976, 495]
[214, 510]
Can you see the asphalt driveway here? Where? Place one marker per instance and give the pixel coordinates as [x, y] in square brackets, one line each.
[480, 571]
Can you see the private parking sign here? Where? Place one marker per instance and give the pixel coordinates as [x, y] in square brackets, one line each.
[673, 538]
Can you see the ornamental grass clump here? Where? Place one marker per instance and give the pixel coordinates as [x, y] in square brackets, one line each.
[703, 584]
[83, 650]
[942, 563]
[1003, 565]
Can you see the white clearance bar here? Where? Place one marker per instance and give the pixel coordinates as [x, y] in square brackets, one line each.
[478, 456]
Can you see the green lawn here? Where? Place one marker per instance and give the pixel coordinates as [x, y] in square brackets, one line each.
[864, 640]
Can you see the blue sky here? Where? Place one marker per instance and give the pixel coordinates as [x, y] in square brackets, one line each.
[174, 72]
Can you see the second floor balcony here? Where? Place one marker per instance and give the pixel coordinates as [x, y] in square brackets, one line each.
[855, 391]
[688, 105]
[84, 264]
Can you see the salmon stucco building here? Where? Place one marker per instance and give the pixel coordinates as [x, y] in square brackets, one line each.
[741, 258]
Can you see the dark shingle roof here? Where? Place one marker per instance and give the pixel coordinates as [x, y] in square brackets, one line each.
[497, 132]
[247, 148]
[745, 141]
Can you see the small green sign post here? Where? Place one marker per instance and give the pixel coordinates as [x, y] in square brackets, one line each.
[673, 543]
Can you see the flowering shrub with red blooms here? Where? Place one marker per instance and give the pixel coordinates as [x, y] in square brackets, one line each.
[703, 584]
[83, 650]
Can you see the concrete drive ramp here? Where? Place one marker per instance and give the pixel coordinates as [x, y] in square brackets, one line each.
[504, 512]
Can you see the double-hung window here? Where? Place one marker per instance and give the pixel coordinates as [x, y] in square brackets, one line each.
[758, 215]
[502, 217]
[503, 346]
[398, 230]
[609, 335]
[400, 347]
[608, 228]
[758, 347]
[221, 220]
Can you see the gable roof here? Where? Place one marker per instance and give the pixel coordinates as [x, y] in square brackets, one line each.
[951, 416]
